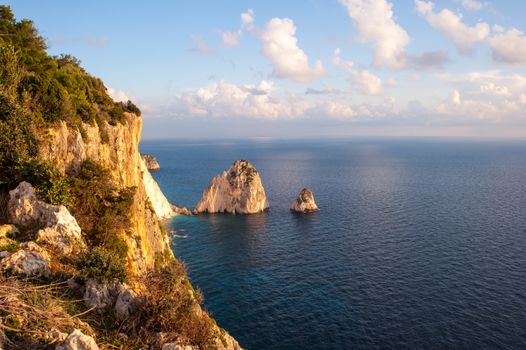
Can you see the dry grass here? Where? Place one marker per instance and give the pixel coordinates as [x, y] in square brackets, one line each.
[29, 313]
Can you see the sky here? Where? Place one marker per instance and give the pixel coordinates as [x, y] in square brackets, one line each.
[301, 69]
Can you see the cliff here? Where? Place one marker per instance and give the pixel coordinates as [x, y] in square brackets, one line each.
[67, 150]
[80, 215]
[237, 191]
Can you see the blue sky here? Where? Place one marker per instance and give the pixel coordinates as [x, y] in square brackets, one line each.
[311, 68]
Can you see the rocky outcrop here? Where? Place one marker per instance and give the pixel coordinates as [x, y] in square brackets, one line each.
[160, 204]
[67, 149]
[237, 191]
[181, 210]
[78, 341]
[304, 202]
[58, 228]
[150, 162]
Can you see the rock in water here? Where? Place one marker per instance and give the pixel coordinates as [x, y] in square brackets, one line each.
[304, 202]
[150, 161]
[237, 191]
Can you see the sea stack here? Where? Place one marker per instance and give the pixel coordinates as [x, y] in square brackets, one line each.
[304, 202]
[150, 161]
[237, 191]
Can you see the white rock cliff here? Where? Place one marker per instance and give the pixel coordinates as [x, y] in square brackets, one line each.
[237, 191]
[160, 204]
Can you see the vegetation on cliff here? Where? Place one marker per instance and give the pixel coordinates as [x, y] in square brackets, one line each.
[37, 90]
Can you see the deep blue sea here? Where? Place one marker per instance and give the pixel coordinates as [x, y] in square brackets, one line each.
[419, 243]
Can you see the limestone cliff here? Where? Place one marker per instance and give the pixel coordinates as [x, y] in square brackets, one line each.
[237, 191]
[66, 148]
[304, 202]
[160, 204]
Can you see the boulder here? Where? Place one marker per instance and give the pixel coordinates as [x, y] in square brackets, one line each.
[58, 228]
[150, 162]
[112, 295]
[31, 260]
[78, 341]
[304, 202]
[237, 191]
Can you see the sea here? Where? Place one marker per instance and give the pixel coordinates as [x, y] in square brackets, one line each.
[418, 244]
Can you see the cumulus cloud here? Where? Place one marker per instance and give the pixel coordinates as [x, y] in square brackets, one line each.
[367, 82]
[376, 25]
[488, 95]
[280, 46]
[225, 100]
[200, 46]
[451, 25]
[117, 95]
[509, 46]
[232, 39]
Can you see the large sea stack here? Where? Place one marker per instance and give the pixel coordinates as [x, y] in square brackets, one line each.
[304, 202]
[237, 191]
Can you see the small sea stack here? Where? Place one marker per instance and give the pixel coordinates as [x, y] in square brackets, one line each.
[237, 191]
[150, 161]
[304, 202]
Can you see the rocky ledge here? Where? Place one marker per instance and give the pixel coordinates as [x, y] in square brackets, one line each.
[237, 191]
[304, 202]
[150, 161]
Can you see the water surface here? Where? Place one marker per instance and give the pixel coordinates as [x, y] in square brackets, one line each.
[419, 243]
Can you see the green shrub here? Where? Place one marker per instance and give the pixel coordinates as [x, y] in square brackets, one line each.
[102, 210]
[101, 264]
[50, 185]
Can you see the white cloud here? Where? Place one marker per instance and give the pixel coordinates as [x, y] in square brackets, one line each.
[117, 95]
[375, 24]
[223, 100]
[488, 95]
[509, 46]
[200, 46]
[232, 39]
[280, 46]
[471, 4]
[451, 25]
[367, 82]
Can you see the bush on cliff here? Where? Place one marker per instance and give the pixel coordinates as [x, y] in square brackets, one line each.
[101, 264]
[102, 211]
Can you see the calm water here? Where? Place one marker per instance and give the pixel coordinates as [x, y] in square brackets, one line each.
[418, 244]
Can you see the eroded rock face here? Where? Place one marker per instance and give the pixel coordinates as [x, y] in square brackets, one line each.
[78, 341]
[150, 162]
[304, 202]
[59, 229]
[237, 191]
